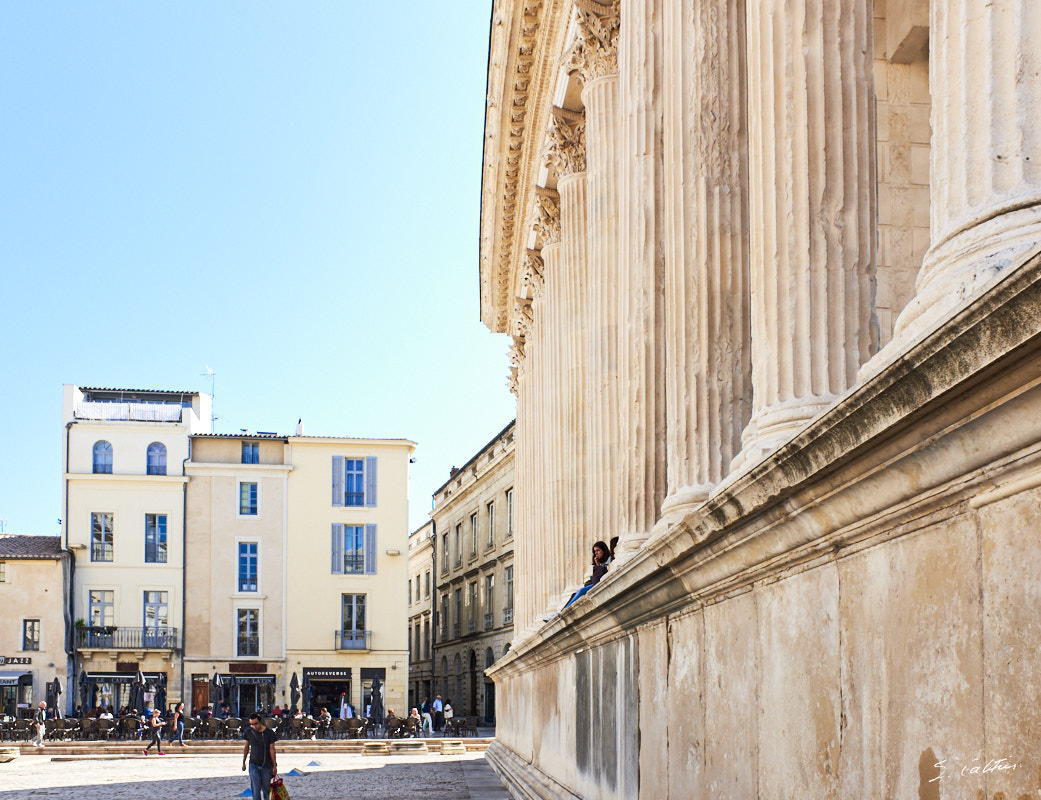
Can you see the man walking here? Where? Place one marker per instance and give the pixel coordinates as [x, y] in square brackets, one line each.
[439, 713]
[40, 717]
[263, 764]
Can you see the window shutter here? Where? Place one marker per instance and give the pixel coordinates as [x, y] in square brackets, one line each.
[337, 480]
[370, 480]
[370, 549]
[337, 548]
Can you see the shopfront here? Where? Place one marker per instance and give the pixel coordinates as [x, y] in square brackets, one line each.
[16, 693]
[249, 694]
[116, 690]
[328, 688]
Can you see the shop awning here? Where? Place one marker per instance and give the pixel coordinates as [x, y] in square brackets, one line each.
[123, 677]
[15, 678]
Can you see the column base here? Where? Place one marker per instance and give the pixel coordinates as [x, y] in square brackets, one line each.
[965, 265]
[680, 503]
[772, 427]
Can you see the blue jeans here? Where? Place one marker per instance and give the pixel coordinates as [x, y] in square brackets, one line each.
[260, 781]
[577, 595]
[180, 731]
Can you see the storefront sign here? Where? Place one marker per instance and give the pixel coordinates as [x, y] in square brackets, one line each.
[248, 667]
[15, 660]
[254, 680]
[332, 674]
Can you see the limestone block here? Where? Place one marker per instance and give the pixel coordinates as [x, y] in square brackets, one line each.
[452, 747]
[730, 698]
[654, 734]
[911, 661]
[1011, 633]
[907, 30]
[683, 713]
[799, 703]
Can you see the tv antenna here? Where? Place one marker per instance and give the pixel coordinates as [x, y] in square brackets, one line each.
[210, 375]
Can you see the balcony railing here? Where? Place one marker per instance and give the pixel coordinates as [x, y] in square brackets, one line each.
[507, 616]
[489, 621]
[456, 629]
[353, 640]
[444, 633]
[113, 638]
[471, 625]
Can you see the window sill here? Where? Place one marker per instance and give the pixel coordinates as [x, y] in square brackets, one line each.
[248, 596]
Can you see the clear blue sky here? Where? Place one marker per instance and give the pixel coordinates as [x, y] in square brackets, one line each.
[286, 192]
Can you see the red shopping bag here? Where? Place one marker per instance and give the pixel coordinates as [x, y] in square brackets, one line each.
[278, 790]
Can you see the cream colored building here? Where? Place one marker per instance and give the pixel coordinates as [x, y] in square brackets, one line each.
[473, 519]
[347, 560]
[237, 545]
[772, 273]
[421, 592]
[34, 626]
[123, 494]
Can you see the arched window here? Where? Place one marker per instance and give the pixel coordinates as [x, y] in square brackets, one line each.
[102, 458]
[489, 658]
[157, 458]
[506, 649]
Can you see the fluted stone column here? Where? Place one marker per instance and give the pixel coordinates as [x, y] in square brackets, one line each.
[811, 190]
[985, 171]
[595, 58]
[641, 300]
[565, 156]
[706, 235]
[572, 188]
[525, 455]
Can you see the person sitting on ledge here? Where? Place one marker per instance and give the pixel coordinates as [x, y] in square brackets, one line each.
[601, 558]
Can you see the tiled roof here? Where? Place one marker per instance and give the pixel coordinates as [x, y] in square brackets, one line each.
[237, 436]
[30, 546]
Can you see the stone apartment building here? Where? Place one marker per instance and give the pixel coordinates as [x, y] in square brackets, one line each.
[474, 528]
[35, 626]
[295, 544]
[772, 272]
[421, 591]
[123, 490]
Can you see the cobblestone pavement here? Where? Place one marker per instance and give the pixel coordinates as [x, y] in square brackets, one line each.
[186, 777]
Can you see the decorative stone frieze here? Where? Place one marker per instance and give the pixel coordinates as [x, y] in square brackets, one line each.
[546, 218]
[565, 148]
[595, 51]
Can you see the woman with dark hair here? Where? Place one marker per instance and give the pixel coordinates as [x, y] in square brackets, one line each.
[601, 555]
[178, 719]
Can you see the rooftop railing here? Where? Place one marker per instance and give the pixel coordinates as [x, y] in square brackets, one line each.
[133, 412]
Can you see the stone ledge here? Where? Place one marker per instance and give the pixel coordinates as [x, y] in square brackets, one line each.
[903, 443]
[523, 779]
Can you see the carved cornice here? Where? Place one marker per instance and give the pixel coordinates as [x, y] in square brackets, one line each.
[510, 126]
[565, 148]
[595, 52]
[546, 217]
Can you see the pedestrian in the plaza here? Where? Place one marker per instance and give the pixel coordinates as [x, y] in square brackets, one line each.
[155, 729]
[449, 711]
[263, 762]
[439, 713]
[40, 717]
[178, 720]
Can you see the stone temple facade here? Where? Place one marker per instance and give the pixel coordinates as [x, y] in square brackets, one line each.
[771, 269]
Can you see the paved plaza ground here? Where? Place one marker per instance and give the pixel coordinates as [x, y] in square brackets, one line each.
[219, 777]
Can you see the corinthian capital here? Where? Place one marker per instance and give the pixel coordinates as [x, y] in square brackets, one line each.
[565, 148]
[595, 52]
[546, 218]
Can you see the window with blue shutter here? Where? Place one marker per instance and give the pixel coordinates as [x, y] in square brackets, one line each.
[370, 549]
[353, 549]
[354, 481]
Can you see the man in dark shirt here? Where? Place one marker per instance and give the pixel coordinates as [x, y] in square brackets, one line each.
[263, 764]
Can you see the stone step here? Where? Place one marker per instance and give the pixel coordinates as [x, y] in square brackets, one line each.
[92, 750]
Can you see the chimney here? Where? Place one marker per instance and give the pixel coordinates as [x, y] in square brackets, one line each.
[300, 427]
